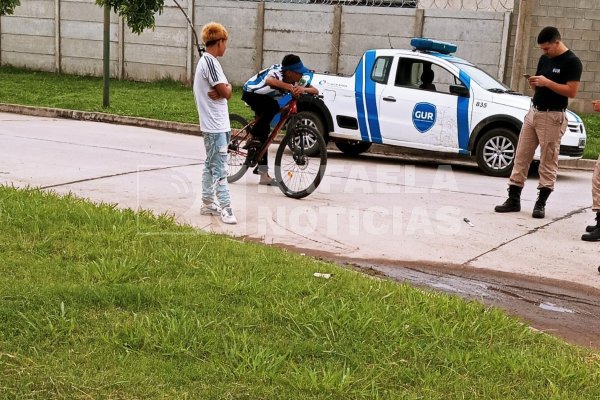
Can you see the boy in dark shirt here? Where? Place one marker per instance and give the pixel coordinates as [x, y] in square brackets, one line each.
[556, 79]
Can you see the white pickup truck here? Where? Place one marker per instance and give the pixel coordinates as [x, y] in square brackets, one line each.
[427, 99]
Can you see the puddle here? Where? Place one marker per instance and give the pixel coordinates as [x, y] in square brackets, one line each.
[471, 288]
[577, 321]
[445, 283]
[555, 308]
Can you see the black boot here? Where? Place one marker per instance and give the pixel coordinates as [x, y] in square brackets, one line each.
[593, 236]
[591, 228]
[513, 203]
[539, 210]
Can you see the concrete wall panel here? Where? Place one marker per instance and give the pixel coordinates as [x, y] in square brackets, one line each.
[36, 9]
[78, 11]
[239, 65]
[86, 30]
[311, 60]
[293, 43]
[92, 49]
[86, 66]
[357, 44]
[28, 44]
[378, 25]
[293, 21]
[172, 17]
[149, 54]
[239, 22]
[151, 72]
[28, 26]
[348, 64]
[39, 62]
[160, 37]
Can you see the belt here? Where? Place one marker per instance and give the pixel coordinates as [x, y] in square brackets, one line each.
[546, 109]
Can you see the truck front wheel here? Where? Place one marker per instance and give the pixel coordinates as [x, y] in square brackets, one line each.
[496, 151]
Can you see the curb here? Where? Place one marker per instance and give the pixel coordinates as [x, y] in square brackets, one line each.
[194, 129]
[179, 127]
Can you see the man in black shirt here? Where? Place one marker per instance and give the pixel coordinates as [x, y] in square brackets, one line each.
[556, 79]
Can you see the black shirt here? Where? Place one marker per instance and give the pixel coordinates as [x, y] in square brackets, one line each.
[560, 69]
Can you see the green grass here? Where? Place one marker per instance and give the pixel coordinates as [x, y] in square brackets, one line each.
[91, 307]
[592, 126]
[166, 100]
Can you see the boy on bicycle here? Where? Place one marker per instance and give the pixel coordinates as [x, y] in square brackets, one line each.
[262, 92]
[211, 92]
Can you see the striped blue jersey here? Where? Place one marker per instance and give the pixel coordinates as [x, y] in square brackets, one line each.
[258, 83]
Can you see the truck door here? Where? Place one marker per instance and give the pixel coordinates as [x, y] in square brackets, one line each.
[417, 108]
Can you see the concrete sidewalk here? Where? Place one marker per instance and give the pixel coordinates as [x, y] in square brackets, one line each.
[367, 209]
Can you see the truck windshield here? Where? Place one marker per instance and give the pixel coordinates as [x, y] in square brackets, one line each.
[482, 78]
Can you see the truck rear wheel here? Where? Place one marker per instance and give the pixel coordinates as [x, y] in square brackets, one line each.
[353, 148]
[496, 151]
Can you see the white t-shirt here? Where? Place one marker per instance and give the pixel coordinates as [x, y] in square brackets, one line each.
[213, 114]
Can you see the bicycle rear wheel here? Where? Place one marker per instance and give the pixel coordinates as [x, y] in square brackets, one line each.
[297, 172]
[236, 153]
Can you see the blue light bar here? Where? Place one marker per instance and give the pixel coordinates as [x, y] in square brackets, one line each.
[425, 44]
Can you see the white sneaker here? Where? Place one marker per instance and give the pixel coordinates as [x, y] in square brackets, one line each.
[227, 216]
[210, 209]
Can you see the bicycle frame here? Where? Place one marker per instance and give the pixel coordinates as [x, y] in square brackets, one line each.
[286, 112]
[297, 173]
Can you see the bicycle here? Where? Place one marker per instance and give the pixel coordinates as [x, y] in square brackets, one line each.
[297, 173]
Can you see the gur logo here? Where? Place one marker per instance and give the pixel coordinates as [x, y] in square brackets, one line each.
[424, 116]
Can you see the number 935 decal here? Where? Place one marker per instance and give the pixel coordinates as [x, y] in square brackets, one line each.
[481, 104]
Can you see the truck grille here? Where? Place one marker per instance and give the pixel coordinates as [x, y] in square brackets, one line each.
[571, 151]
[574, 127]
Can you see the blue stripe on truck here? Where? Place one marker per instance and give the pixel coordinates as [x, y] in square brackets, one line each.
[462, 116]
[360, 105]
[371, 99]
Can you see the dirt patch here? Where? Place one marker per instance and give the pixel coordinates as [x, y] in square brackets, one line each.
[560, 308]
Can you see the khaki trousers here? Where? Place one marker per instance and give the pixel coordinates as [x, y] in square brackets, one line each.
[543, 128]
[596, 187]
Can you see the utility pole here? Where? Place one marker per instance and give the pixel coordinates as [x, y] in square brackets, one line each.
[106, 57]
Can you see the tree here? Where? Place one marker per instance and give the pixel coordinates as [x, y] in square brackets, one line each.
[138, 14]
[7, 7]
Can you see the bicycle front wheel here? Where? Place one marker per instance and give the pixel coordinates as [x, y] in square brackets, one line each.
[297, 172]
[237, 152]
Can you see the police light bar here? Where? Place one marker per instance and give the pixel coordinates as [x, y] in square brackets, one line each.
[425, 44]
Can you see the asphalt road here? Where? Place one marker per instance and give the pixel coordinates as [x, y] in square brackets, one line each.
[395, 216]
[373, 207]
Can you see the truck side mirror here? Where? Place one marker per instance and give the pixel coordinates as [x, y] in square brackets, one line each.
[459, 90]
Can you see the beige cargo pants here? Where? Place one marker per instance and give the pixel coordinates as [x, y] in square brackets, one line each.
[543, 128]
[596, 187]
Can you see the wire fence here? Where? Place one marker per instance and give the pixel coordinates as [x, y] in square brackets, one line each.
[475, 5]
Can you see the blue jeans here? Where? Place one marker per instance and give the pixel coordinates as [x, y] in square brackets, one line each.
[214, 176]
